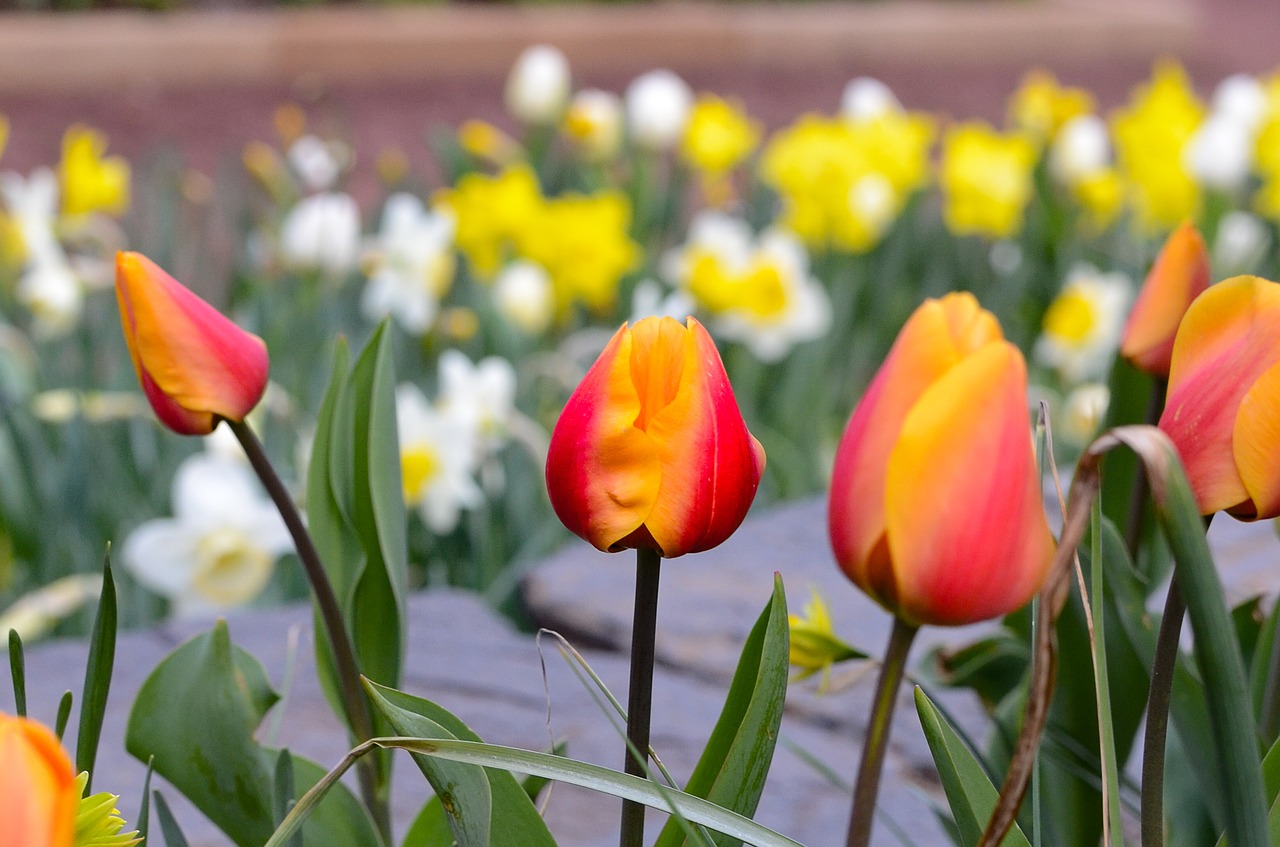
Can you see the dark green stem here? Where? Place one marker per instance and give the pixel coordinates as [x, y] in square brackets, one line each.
[640, 693]
[354, 703]
[876, 741]
[1153, 745]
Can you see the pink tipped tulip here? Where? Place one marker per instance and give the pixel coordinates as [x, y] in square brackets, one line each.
[195, 365]
[651, 450]
[936, 508]
[1178, 276]
[1223, 407]
[38, 793]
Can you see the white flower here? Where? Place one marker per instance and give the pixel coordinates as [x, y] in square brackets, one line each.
[1085, 408]
[1080, 149]
[525, 297]
[322, 232]
[757, 291]
[483, 394]
[412, 264]
[594, 123]
[658, 104]
[538, 85]
[318, 163]
[1220, 153]
[651, 299]
[866, 98]
[1241, 98]
[873, 200]
[1082, 325]
[48, 286]
[219, 549]
[1240, 243]
[35, 613]
[437, 460]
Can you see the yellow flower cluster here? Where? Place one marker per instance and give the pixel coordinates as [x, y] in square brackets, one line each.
[1268, 152]
[844, 182]
[1041, 107]
[1151, 134]
[986, 180]
[580, 240]
[719, 136]
[90, 181]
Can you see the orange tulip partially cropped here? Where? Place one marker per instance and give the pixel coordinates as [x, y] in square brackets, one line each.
[38, 793]
[651, 450]
[936, 508]
[1178, 276]
[1223, 407]
[195, 365]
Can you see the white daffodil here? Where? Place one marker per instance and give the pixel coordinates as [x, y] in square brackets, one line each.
[1081, 149]
[866, 98]
[219, 549]
[483, 394]
[1220, 153]
[322, 232]
[594, 123]
[1241, 242]
[1083, 412]
[1082, 325]
[410, 264]
[48, 286]
[34, 614]
[538, 86]
[652, 299]
[437, 460]
[318, 163]
[657, 106]
[524, 296]
[756, 291]
[1242, 98]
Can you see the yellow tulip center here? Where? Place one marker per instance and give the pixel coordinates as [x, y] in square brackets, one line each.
[657, 363]
[230, 568]
[418, 465]
[1071, 317]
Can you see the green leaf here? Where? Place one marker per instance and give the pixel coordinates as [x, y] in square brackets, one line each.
[97, 677]
[64, 714]
[18, 673]
[511, 819]
[595, 777]
[1102, 685]
[970, 794]
[735, 762]
[196, 714]
[173, 836]
[430, 828]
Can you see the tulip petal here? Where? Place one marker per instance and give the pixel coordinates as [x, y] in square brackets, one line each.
[967, 534]
[1256, 445]
[1226, 341]
[192, 361]
[38, 795]
[602, 473]
[936, 337]
[1178, 275]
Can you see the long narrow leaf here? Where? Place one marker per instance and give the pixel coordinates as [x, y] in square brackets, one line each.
[18, 673]
[97, 677]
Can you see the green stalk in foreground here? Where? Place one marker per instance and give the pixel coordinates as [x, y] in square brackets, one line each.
[640, 691]
[876, 741]
[355, 705]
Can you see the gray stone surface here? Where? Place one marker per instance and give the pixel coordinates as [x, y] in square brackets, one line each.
[471, 661]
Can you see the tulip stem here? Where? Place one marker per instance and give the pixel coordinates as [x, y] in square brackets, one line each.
[1158, 717]
[876, 741]
[354, 703]
[640, 693]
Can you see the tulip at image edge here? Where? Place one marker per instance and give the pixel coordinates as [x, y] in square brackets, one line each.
[1223, 407]
[1179, 274]
[195, 365]
[651, 449]
[39, 798]
[936, 509]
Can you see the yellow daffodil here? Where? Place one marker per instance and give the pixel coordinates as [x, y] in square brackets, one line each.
[91, 182]
[494, 214]
[718, 136]
[1040, 106]
[98, 821]
[582, 241]
[4, 133]
[815, 647]
[986, 180]
[487, 143]
[1151, 134]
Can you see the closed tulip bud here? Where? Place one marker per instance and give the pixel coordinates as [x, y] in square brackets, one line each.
[1177, 277]
[936, 509]
[38, 793]
[195, 365]
[651, 450]
[1224, 398]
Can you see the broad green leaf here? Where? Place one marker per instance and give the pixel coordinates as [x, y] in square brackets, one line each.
[735, 762]
[431, 828]
[970, 794]
[195, 718]
[513, 820]
[617, 784]
[97, 677]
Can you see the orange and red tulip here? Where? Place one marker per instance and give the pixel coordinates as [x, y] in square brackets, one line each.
[38, 793]
[936, 508]
[195, 365]
[1223, 407]
[651, 450]
[1178, 276]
